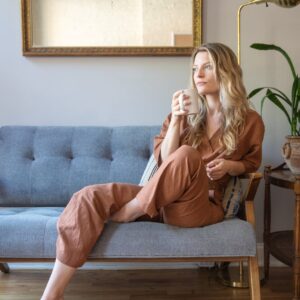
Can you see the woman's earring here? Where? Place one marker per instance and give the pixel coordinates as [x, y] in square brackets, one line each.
[221, 97]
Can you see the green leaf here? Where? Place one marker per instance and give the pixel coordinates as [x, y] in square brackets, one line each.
[284, 98]
[280, 94]
[254, 92]
[262, 104]
[295, 93]
[259, 46]
[276, 101]
[298, 116]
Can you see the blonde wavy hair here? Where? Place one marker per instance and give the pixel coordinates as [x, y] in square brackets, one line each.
[233, 98]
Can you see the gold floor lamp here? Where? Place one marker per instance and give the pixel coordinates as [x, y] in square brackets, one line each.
[224, 274]
[282, 3]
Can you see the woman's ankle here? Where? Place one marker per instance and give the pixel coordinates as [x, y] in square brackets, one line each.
[54, 296]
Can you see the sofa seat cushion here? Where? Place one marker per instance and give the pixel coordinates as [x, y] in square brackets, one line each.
[31, 233]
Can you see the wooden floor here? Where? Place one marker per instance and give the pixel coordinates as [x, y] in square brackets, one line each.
[180, 284]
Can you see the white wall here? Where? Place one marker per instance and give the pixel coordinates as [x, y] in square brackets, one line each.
[137, 90]
[82, 90]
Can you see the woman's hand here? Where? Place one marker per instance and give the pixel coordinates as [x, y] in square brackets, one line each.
[171, 140]
[217, 168]
[177, 108]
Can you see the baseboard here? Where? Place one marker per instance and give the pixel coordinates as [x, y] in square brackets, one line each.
[129, 266]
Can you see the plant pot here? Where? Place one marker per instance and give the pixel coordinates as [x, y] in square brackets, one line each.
[291, 153]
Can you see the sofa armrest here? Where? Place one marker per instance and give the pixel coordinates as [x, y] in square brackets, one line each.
[249, 195]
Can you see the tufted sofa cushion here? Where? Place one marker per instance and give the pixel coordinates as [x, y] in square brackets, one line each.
[44, 166]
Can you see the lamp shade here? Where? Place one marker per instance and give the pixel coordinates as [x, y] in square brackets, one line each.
[282, 3]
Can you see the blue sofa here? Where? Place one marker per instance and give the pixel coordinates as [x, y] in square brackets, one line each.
[40, 169]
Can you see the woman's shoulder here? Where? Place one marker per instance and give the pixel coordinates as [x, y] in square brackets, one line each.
[253, 117]
[254, 123]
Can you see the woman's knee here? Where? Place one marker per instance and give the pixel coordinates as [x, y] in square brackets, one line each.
[188, 152]
[87, 195]
[85, 191]
[77, 201]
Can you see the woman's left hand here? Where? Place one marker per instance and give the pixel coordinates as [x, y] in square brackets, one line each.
[217, 168]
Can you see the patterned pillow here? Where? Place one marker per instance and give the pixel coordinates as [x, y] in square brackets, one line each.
[149, 171]
[232, 196]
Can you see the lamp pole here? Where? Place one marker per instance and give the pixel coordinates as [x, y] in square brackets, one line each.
[239, 30]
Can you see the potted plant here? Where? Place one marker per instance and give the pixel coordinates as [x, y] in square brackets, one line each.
[289, 105]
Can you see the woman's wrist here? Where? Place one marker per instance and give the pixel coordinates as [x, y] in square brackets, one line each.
[175, 120]
[235, 168]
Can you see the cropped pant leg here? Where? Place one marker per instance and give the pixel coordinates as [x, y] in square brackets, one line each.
[83, 219]
[179, 189]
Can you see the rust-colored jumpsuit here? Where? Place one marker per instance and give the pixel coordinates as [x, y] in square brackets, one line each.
[178, 192]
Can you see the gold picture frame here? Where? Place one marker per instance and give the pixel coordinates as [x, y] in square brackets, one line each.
[30, 48]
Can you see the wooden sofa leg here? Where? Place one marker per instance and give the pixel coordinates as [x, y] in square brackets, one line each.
[4, 267]
[254, 282]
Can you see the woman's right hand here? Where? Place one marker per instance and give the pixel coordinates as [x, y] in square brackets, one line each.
[171, 139]
[176, 109]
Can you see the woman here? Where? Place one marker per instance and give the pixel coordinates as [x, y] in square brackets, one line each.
[197, 155]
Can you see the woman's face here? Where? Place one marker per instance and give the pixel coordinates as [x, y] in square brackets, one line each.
[204, 75]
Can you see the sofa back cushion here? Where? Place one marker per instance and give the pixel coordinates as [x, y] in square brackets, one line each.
[44, 166]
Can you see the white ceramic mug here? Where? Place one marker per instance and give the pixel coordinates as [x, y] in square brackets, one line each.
[193, 108]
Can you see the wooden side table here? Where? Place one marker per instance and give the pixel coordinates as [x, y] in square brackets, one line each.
[284, 245]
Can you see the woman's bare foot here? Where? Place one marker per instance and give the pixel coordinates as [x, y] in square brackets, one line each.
[129, 212]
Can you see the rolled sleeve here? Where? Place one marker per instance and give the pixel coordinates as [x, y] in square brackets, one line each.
[158, 139]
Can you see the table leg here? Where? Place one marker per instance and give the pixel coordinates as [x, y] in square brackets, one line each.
[267, 222]
[296, 265]
[4, 267]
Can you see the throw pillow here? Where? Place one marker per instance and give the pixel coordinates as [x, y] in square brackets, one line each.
[149, 171]
[232, 197]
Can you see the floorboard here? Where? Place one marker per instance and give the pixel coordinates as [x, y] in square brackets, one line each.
[181, 284]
